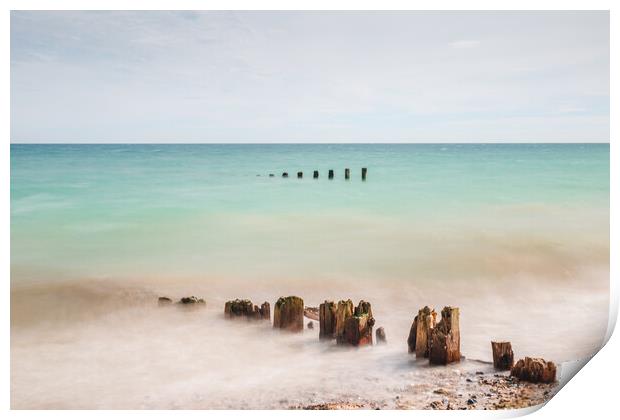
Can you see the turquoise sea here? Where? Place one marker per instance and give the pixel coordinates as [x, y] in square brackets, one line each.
[97, 209]
[515, 235]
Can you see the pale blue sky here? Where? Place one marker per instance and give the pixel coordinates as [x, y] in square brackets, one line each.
[309, 76]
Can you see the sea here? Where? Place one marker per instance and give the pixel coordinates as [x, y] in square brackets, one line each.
[515, 235]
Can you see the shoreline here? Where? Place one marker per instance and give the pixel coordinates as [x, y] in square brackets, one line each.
[299, 370]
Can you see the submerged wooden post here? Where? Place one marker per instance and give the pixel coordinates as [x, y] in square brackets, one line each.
[534, 370]
[380, 333]
[300, 174]
[330, 174]
[243, 308]
[327, 320]
[288, 314]
[315, 174]
[364, 170]
[265, 311]
[163, 301]
[358, 328]
[446, 338]
[424, 326]
[284, 174]
[347, 173]
[503, 356]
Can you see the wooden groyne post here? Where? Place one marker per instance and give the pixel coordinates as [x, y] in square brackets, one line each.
[315, 175]
[445, 346]
[245, 308]
[327, 320]
[347, 173]
[534, 370]
[364, 171]
[503, 356]
[358, 327]
[300, 174]
[330, 174]
[344, 310]
[424, 328]
[284, 174]
[288, 314]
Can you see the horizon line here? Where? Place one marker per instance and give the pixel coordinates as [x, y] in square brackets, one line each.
[261, 142]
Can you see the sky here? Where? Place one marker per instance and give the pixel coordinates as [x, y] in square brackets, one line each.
[416, 76]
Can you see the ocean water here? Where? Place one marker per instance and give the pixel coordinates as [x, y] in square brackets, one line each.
[516, 235]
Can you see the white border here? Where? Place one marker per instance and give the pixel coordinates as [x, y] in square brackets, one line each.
[592, 393]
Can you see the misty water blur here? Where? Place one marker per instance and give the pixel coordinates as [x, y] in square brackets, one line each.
[517, 236]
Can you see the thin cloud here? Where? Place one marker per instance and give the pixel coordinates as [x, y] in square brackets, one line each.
[157, 76]
[465, 43]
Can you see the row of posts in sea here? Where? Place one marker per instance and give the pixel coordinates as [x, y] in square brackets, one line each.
[330, 174]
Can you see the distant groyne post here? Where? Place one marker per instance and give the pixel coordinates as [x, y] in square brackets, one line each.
[347, 173]
[315, 175]
[364, 171]
[330, 174]
[300, 174]
[284, 174]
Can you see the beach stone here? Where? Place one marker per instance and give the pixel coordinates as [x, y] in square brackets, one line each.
[380, 335]
[327, 320]
[163, 301]
[310, 325]
[503, 356]
[534, 370]
[445, 346]
[289, 314]
[191, 300]
[358, 327]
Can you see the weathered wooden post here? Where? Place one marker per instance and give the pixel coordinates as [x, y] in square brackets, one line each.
[265, 311]
[288, 314]
[284, 174]
[300, 174]
[244, 308]
[364, 170]
[446, 338]
[424, 327]
[347, 173]
[315, 174]
[343, 311]
[503, 356]
[534, 370]
[380, 333]
[411, 340]
[271, 175]
[327, 320]
[358, 328]
[330, 174]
